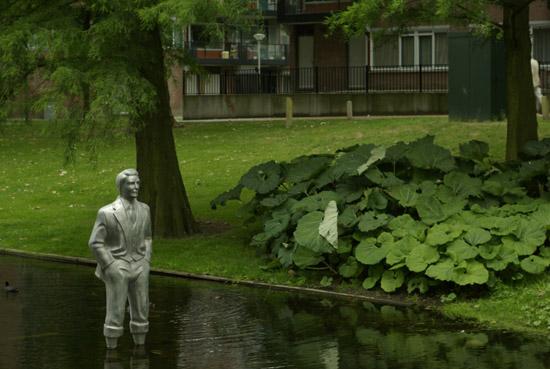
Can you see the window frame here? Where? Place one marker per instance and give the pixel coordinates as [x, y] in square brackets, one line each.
[416, 42]
[416, 32]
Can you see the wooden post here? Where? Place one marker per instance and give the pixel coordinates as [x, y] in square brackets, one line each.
[289, 111]
[349, 109]
[545, 107]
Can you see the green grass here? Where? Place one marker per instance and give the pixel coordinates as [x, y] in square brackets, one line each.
[48, 208]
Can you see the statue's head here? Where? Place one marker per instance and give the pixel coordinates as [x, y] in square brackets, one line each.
[127, 183]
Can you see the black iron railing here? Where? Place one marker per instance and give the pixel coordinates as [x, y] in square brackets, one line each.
[361, 79]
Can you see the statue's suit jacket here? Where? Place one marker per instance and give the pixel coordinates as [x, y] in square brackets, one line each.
[114, 236]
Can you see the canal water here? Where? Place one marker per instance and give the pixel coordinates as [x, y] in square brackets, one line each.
[56, 319]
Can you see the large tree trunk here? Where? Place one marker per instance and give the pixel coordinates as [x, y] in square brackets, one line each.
[521, 111]
[161, 182]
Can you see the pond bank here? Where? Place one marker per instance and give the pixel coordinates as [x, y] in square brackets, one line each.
[179, 274]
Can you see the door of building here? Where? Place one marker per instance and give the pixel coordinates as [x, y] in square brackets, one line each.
[305, 62]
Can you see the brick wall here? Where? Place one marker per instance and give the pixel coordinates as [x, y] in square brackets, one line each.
[330, 50]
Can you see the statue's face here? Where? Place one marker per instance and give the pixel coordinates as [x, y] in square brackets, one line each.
[130, 188]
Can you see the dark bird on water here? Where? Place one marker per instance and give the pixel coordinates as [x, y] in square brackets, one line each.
[10, 289]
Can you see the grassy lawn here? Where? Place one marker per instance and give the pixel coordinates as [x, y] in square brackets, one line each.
[46, 207]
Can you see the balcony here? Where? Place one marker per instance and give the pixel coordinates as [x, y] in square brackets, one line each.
[232, 53]
[267, 7]
[304, 11]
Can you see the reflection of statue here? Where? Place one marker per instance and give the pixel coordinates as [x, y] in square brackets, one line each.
[139, 359]
[121, 243]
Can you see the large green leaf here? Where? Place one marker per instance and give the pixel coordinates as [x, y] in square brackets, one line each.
[304, 257]
[430, 210]
[459, 250]
[507, 255]
[383, 179]
[462, 185]
[374, 274]
[351, 188]
[376, 199]
[328, 229]
[474, 150]
[396, 152]
[371, 221]
[299, 188]
[404, 225]
[521, 248]
[285, 256]
[377, 154]
[348, 162]
[424, 154]
[471, 272]
[530, 233]
[401, 249]
[534, 168]
[536, 148]
[350, 268]
[392, 280]
[274, 226]
[405, 194]
[421, 256]
[348, 218]
[232, 194]
[500, 226]
[442, 270]
[318, 201]
[306, 167]
[542, 215]
[477, 236]
[441, 234]
[503, 184]
[534, 264]
[261, 239]
[489, 251]
[274, 201]
[263, 178]
[307, 233]
[368, 252]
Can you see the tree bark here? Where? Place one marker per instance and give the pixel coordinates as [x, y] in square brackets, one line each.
[162, 186]
[521, 111]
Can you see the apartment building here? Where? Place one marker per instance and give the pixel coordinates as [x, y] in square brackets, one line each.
[299, 55]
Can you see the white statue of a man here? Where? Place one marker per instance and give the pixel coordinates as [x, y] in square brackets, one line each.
[122, 245]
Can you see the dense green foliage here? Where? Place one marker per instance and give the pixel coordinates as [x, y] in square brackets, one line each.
[409, 215]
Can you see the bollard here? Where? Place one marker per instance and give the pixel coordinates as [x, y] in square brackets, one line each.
[545, 107]
[349, 109]
[289, 110]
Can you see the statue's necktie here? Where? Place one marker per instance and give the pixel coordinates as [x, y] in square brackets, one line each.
[132, 214]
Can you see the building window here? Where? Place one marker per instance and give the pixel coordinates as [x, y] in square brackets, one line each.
[411, 49]
[417, 49]
[386, 51]
[541, 44]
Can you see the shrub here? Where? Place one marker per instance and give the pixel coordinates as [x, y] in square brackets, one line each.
[408, 215]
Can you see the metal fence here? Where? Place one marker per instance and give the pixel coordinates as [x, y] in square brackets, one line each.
[334, 80]
[362, 79]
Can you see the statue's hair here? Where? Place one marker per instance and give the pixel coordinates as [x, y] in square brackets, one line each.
[123, 176]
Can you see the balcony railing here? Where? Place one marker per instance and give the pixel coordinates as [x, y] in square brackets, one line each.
[238, 53]
[361, 79]
[296, 7]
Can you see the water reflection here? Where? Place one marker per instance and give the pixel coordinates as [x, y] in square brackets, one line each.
[56, 319]
[138, 360]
